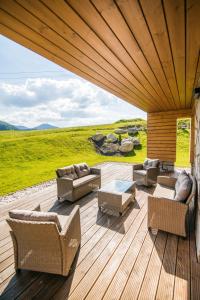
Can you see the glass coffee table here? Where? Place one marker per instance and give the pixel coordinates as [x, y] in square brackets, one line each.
[116, 195]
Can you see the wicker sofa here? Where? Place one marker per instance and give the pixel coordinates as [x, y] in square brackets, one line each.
[146, 173]
[75, 181]
[43, 241]
[167, 213]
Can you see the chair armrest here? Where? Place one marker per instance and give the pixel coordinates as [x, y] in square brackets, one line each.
[72, 218]
[167, 181]
[65, 181]
[168, 215]
[64, 188]
[138, 167]
[96, 171]
[70, 237]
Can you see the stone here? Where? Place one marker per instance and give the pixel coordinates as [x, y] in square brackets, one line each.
[132, 131]
[98, 137]
[120, 131]
[126, 146]
[136, 142]
[112, 138]
[109, 148]
[133, 140]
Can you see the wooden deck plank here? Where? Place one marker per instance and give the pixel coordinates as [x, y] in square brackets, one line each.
[118, 259]
[167, 276]
[135, 279]
[150, 282]
[182, 280]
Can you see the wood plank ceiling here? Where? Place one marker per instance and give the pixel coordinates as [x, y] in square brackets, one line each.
[145, 52]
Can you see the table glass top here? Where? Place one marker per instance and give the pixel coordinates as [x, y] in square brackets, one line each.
[117, 186]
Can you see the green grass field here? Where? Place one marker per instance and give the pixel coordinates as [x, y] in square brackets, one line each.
[31, 157]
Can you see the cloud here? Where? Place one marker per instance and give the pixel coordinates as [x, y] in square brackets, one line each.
[61, 102]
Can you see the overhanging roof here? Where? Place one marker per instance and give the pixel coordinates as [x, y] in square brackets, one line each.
[145, 52]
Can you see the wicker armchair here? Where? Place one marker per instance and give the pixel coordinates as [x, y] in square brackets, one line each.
[40, 246]
[146, 176]
[166, 214]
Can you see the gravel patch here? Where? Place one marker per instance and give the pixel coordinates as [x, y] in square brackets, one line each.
[26, 192]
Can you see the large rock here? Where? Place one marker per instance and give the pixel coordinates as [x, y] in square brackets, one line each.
[120, 131]
[112, 138]
[98, 137]
[136, 142]
[132, 131]
[133, 140]
[109, 148]
[126, 146]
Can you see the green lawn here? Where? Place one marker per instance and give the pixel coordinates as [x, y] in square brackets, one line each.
[31, 157]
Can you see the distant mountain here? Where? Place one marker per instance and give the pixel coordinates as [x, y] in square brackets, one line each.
[20, 127]
[44, 126]
[7, 126]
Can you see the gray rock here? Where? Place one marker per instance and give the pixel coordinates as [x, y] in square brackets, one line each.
[133, 140]
[120, 131]
[98, 137]
[112, 138]
[136, 142]
[126, 146]
[109, 148]
[132, 130]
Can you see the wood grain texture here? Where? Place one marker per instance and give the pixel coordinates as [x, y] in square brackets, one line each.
[161, 134]
[146, 52]
[118, 259]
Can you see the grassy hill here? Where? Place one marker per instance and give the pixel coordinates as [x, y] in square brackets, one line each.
[31, 157]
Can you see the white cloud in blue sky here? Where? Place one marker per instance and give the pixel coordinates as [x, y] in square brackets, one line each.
[57, 96]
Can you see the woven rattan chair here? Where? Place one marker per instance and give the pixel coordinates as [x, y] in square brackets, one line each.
[40, 246]
[165, 213]
[147, 176]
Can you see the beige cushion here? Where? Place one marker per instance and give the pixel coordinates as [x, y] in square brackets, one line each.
[82, 169]
[80, 181]
[68, 172]
[183, 187]
[29, 215]
[164, 192]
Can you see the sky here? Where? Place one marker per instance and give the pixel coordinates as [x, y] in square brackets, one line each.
[34, 90]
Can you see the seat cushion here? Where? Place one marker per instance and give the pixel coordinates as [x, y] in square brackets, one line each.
[38, 216]
[68, 172]
[141, 172]
[164, 192]
[81, 181]
[183, 187]
[82, 169]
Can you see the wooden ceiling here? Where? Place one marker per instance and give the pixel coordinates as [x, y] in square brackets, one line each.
[145, 52]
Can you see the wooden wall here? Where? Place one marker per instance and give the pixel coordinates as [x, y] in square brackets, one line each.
[161, 134]
[145, 52]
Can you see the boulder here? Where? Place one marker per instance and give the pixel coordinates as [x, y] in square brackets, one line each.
[132, 131]
[120, 131]
[109, 148]
[136, 142]
[98, 137]
[112, 138]
[133, 140]
[126, 146]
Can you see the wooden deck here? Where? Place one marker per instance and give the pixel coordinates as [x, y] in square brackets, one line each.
[118, 259]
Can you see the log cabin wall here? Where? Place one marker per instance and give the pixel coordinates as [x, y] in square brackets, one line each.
[161, 134]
